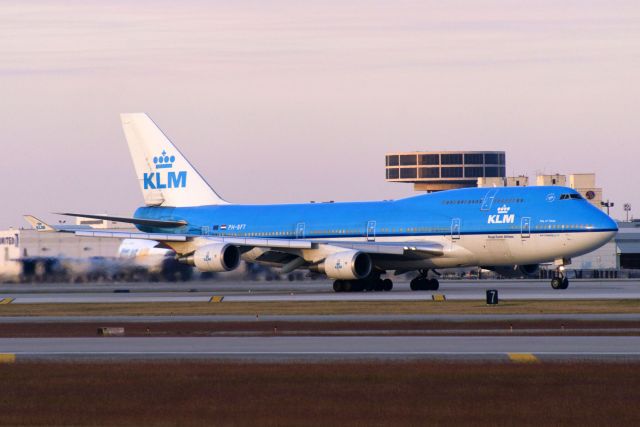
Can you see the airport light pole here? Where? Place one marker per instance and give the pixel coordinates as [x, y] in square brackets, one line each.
[627, 209]
[607, 205]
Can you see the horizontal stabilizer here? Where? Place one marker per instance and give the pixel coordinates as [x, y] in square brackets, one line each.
[137, 221]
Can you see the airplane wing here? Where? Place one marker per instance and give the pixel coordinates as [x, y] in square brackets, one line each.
[414, 249]
[401, 248]
[129, 220]
[238, 241]
[392, 248]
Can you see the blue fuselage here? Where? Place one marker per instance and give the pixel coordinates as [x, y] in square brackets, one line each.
[472, 211]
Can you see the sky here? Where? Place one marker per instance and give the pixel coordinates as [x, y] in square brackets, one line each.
[290, 101]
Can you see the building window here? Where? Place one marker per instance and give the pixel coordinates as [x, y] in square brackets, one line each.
[492, 172]
[451, 172]
[407, 160]
[392, 160]
[429, 159]
[473, 171]
[392, 173]
[407, 173]
[429, 173]
[451, 159]
[491, 159]
[473, 159]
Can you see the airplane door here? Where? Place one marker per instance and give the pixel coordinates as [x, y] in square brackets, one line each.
[488, 199]
[455, 229]
[525, 227]
[371, 231]
[300, 230]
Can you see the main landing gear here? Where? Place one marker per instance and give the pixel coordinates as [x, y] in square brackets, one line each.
[373, 284]
[423, 283]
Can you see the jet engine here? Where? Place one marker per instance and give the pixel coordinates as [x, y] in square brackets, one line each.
[216, 257]
[347, 265]
[513, 271]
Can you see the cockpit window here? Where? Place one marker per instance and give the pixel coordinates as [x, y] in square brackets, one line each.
[572, 196]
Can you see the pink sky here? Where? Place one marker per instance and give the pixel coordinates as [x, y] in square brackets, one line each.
[289, 101]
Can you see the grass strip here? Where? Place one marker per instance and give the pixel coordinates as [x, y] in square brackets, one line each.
[325, 308]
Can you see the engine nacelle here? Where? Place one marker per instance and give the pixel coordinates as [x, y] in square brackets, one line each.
[513, 271]
[347, 265]
[216, 257]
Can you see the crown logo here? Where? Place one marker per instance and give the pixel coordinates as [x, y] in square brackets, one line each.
[164, 161]
[504, 209]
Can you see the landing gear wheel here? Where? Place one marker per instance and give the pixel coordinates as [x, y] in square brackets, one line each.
[357, 285]
[337, 286]
[565, 283]
[378, 286]
[423, 283]
[369, 285]
[418, 284]
[556, 283]
[387, 285]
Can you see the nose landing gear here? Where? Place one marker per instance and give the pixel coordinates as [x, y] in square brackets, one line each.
[559, 283]
[560, 280]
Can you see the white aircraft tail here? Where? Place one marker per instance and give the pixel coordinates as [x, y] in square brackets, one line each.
[166, 177]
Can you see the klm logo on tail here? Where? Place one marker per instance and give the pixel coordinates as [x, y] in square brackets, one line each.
[158, 180]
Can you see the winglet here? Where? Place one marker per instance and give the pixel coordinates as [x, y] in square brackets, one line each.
[37, 224]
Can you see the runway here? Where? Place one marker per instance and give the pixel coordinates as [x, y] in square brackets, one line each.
[396, 344]
[321, 348]
[310, 291]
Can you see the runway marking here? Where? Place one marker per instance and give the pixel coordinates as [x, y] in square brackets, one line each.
[216, 298]
[6, 301]
[7, 358]
[523, 358]
[438, 297]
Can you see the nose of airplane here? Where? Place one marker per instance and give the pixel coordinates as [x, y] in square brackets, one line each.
[606, 225]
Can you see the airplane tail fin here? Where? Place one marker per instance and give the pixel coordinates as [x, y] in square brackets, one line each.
[38, 224]
[166, 177]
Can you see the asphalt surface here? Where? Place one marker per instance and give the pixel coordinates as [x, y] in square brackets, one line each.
[321, 348]
[310, 291]
[278, 348]
[323, 318]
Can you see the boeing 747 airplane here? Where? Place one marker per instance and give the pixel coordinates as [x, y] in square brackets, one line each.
[510, 230]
